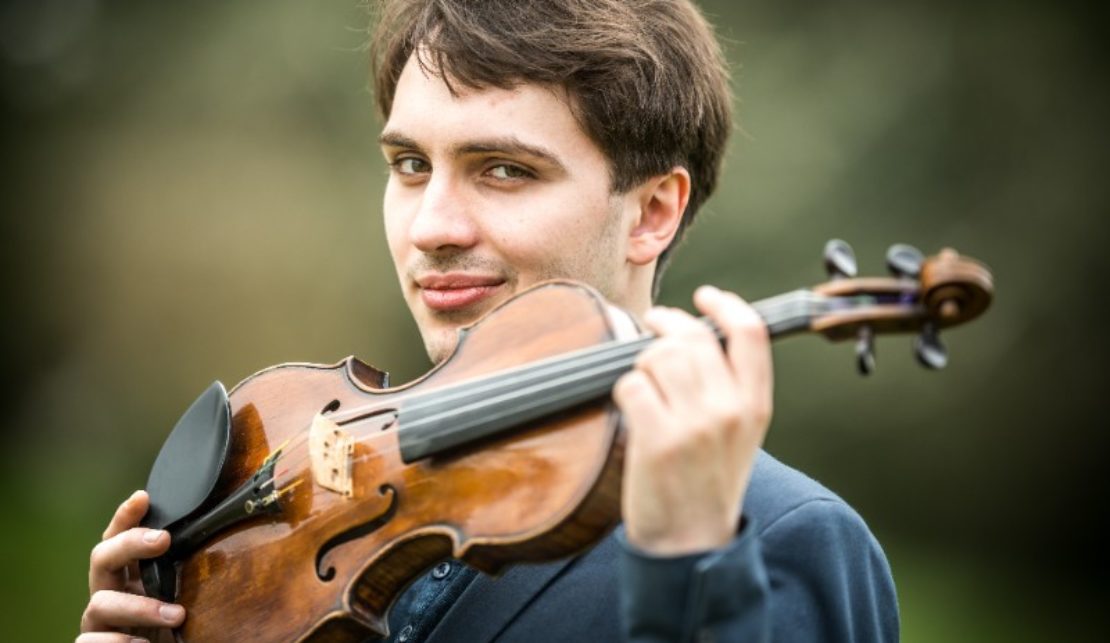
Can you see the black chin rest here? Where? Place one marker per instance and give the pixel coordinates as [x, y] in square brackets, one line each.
[190, 461]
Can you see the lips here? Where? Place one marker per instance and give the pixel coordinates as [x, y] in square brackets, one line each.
[450, 292]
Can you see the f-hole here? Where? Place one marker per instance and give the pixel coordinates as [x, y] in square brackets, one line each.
[358, 531]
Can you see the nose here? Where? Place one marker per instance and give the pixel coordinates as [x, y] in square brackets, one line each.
[443, 218]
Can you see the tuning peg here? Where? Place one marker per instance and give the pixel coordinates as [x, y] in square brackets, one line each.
[929, 349]
[865, 350]
[904, 261]
[840, 259]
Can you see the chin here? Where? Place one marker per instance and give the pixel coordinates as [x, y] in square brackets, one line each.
[442, 343]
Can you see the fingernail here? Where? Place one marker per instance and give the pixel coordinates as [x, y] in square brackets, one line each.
[171, 613]
[152, 535]
[139, 641]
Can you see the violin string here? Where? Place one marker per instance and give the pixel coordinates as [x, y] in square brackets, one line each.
[557, 387]
[554, 386]
[567, 360]
[613, 355]
[770, 309]
[625, 353]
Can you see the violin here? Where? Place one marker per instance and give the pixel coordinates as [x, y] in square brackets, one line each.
[304, 501]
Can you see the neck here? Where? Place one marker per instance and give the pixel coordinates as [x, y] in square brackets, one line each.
[634, 294]
[455, 416]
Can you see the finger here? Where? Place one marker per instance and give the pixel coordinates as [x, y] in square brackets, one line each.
[671, 321]
[649, 429]
[748, 348]
[134, 583]
[110, 557]
[639, 401]
[128, 514]
[108, 610]
[686, 362]
[109, 637]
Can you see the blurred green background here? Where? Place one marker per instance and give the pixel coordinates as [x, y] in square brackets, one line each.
[192, 191]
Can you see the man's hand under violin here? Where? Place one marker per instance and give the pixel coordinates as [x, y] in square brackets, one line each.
[117, 607]
[695, 415]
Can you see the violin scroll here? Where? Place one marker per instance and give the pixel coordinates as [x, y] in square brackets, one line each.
[924, 295]
[955, 289]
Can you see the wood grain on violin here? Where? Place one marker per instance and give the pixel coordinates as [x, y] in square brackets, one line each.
[336, 491]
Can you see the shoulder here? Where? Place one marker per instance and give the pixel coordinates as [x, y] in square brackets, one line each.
[826, 570]
[806, 530]
[780, 496]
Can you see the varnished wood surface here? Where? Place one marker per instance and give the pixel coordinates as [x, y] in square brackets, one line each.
[541, 494]
[329, 566]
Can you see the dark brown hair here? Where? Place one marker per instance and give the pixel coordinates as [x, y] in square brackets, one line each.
[647, 79]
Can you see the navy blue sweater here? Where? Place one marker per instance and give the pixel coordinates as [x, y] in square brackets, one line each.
[803, 567]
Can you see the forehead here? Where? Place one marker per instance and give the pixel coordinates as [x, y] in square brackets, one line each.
[425, 110]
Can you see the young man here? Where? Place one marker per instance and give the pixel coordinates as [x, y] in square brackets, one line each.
[537, 139]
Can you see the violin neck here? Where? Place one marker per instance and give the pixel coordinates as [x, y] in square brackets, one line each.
[455, 416]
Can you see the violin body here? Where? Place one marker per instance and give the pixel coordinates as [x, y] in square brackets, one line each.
[329, 563]
[303, 503]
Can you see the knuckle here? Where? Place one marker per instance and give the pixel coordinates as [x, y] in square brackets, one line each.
[98, 554]
[666, 453]
[86, 620]
[699, 433]
[699, 342]
[687, 326]
[702, 335]
[628, 386]
[101, 600]
[756, 326]
[728, 416]
[661, 346]
[761, 414]
[747, 325]
[655, 354]
[679, 346]
[92, 612]
[701, 443]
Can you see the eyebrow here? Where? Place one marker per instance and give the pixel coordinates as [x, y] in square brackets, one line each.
[509, 145]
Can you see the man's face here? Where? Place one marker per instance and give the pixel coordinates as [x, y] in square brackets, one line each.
[490, 192]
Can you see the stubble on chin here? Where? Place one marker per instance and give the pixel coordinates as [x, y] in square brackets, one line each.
[439, 348]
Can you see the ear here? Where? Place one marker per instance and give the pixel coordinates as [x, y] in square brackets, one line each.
[662, 202]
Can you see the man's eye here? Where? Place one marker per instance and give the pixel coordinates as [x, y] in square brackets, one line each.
[508, 172]
[411, 165]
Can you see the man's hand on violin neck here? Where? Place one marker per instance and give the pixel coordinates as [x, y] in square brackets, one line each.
[696, 416]
[116, 604]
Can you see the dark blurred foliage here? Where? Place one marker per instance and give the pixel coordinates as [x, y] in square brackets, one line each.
[191, 191]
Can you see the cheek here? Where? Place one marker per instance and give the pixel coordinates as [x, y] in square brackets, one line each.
[533, 235]
[394, 222]
[563, 238]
